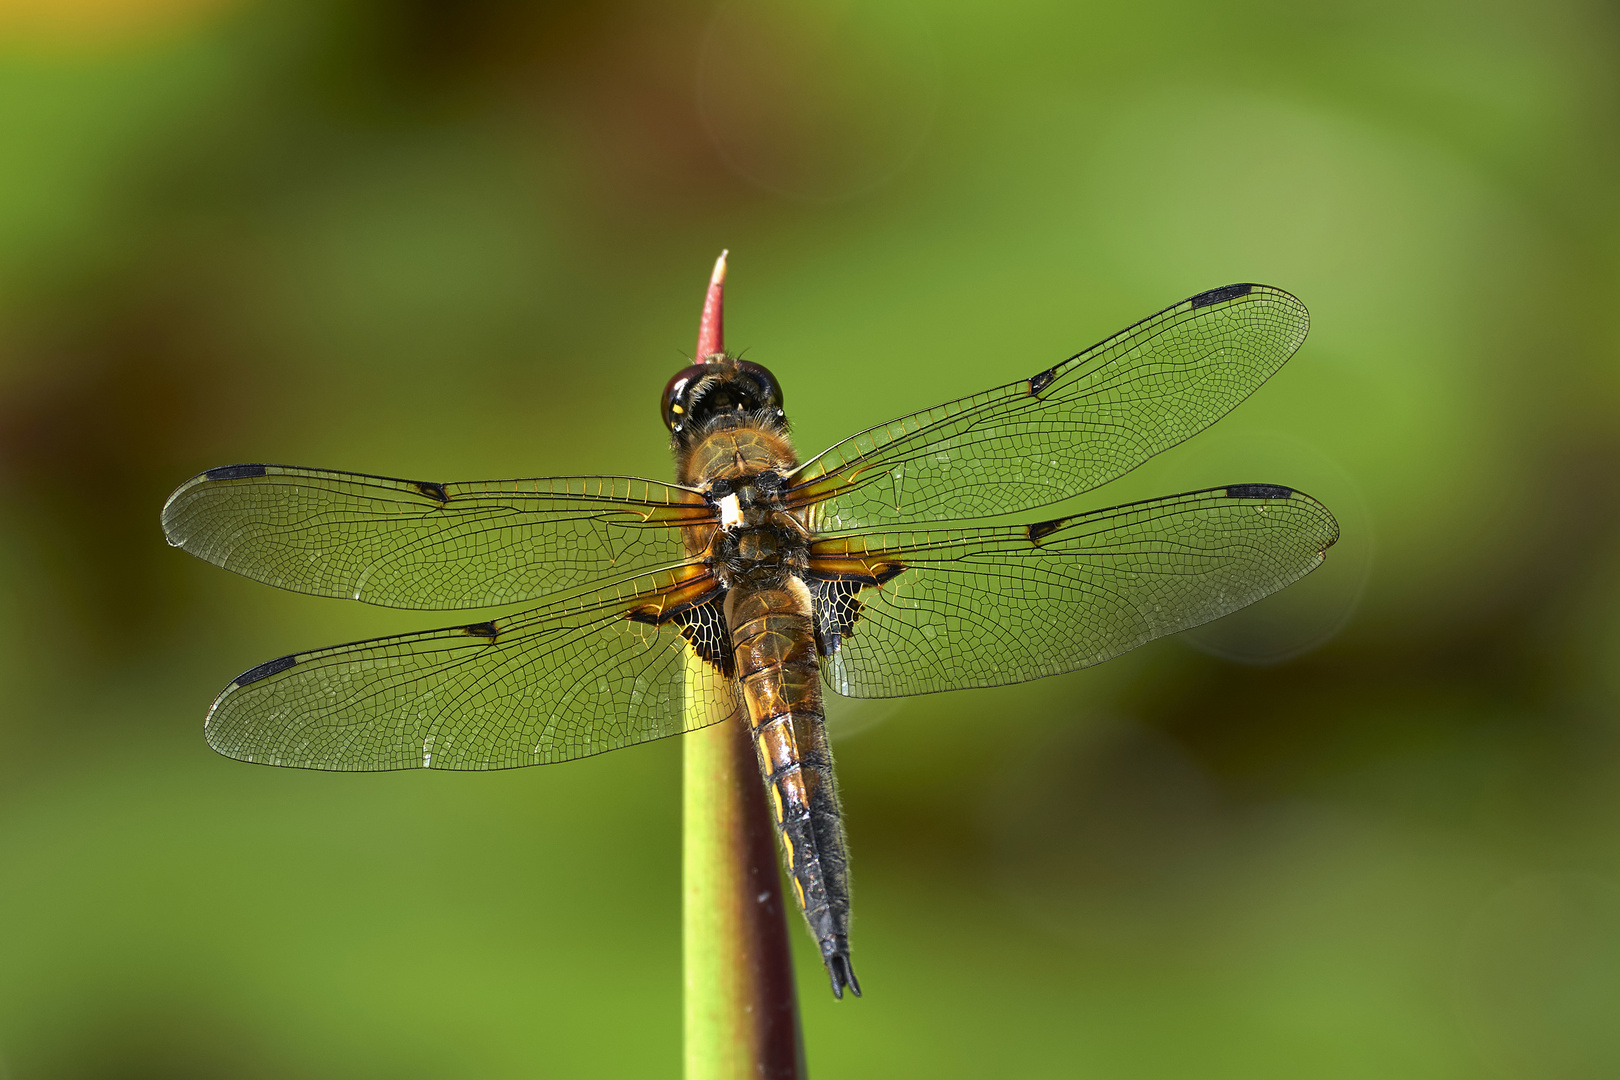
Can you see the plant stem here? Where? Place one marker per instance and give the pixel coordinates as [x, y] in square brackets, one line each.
[742, 1012]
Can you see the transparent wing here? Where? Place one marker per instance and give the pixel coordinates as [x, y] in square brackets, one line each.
[947, 609]
[554, 683]
[710, 695]
[1066, 430]
[419, 544]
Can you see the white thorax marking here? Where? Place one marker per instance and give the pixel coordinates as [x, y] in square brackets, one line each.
[730, 512]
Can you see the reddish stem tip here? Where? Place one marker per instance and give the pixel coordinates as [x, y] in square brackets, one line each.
[712, 327]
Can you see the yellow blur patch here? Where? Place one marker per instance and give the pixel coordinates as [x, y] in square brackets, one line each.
[74, 25]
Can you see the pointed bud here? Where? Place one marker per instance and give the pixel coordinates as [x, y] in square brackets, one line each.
[711, 329]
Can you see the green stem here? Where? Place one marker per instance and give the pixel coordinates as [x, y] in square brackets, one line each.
[742, 1013]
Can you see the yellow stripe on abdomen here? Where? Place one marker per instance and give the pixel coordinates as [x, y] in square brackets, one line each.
[773, 640]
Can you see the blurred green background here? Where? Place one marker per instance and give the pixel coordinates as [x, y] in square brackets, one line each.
[1365, 829]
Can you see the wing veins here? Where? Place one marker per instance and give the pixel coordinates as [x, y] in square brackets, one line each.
[1104, 412]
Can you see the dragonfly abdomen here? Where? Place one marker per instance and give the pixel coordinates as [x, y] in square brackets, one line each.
[772, 632]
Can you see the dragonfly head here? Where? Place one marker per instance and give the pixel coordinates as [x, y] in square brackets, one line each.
[702, 393]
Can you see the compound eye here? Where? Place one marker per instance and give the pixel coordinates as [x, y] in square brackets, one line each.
[770, 391]
[674, 404]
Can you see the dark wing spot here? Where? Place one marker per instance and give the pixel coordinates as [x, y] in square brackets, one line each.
[1045, 528]
[704, 628]
[482, 629]
[234, 472]
[702, 623]
[1216, 296]
[266, 669]
[837, 602]
[1258, 491]
[1040, 382]
[837, 609]
[432, 490]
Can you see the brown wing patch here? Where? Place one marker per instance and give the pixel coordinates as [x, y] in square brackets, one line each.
[691, 510]
[693, 604]
[840, 568]
[693, 585]
[824, 488]
[849, 559]
[704, 628]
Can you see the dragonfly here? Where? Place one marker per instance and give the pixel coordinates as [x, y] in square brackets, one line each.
[902, 560]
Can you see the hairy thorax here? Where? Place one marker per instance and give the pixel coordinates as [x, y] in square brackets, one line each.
[740, 467]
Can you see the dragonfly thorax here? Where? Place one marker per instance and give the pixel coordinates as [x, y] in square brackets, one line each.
[759, 541]
[729, 451]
